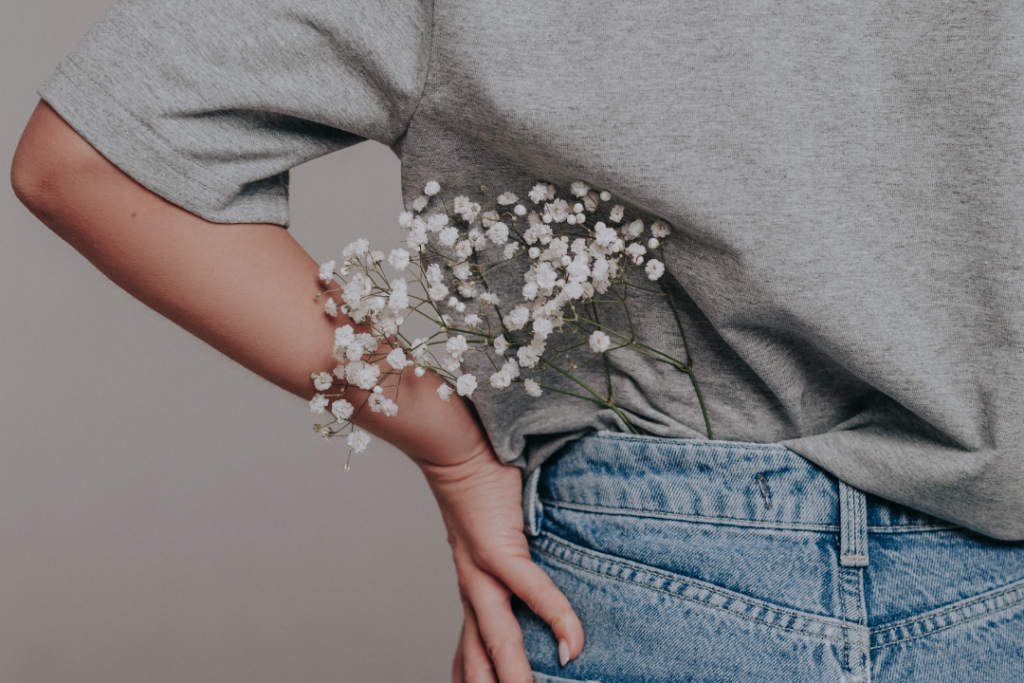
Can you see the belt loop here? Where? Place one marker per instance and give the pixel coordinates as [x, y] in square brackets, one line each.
[853, 527]
[531, 504]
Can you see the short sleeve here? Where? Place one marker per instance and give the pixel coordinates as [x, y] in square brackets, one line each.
[208, 103]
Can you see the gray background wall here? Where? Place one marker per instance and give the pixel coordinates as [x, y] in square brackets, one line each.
[164, 515]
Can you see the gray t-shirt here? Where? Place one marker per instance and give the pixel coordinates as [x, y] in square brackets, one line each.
[845, 184]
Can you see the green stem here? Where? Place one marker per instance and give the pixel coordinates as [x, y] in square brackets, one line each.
[689, 362]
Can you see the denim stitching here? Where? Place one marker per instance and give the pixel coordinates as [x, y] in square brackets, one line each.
[948, 626]
[652, 571]
[911, 528]
[698, 602]
[733, 445]
[1012, 588]
[731, 521]
[846, 629]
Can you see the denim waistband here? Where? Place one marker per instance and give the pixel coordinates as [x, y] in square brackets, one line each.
[721, 482]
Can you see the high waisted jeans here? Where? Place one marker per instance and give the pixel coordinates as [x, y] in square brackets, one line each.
[713, 561]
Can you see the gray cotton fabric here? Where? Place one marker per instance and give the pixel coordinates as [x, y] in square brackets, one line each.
[843, 180]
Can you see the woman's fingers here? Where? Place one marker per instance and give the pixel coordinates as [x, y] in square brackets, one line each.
[535, 588]
[498, 628]
[472, 655]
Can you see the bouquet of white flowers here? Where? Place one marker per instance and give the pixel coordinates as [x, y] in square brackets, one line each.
[581, 256]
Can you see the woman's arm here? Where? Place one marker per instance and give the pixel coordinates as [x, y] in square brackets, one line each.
[248, 291]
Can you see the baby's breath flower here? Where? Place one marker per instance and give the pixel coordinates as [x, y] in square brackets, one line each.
[518, 318]
[605, 195]
[467, 289]
[542, 328]
[528, 356]
[655, 269]
[489, 299]
[420, 371]
[534, 252]
[510, 250]
[616, 214]
[634, 229]
[396, 359]
[358, 440]
[653, 243]
[604, 235]
[464, 249]
[343, 336]
[436, 222]
[356, 249]
[324, 431]
[580, 188]
[489, 218]
[520, 210]
[500, 345]
[660, 229]
[342, 409]
[507, 198]
[498, 233]
[636, 252]
[462, 271]
[364, 375]
[417, 239]
[437, 292]
[532, 388]
[432, 188]
[420, 203]
[448, 236]
[405, 219]
[558, 210]
[574, 290]
[501, 379]
[472, 320]
[327, 271]
[331, 308]
[318, 403]
[456, 345]
[466, 385]
[445, 391]
[539, 193]
[599, 342]
[321, 381]
[399, 297]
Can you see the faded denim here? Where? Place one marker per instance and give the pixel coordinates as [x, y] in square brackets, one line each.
[706, 561]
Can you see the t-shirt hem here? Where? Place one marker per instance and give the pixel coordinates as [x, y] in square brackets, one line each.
[128, 143]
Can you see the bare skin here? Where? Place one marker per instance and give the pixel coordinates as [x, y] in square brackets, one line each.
[201, 276]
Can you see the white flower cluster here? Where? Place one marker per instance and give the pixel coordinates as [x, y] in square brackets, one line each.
[572, 250]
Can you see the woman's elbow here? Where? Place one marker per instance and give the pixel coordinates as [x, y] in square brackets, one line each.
[53, 167]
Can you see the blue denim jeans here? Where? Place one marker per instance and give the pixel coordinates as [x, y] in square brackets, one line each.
[714, 561]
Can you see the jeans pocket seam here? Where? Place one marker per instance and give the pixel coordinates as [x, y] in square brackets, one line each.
[907, 629]
[831, 631]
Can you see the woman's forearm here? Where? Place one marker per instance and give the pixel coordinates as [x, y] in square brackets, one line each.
[246, 289]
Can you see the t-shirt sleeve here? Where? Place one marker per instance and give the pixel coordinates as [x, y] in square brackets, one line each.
[208, 103]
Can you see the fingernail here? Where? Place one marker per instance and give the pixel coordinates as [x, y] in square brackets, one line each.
[563, 652]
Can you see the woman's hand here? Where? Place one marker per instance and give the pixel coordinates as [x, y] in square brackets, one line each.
[481, 503]
[200, 275]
